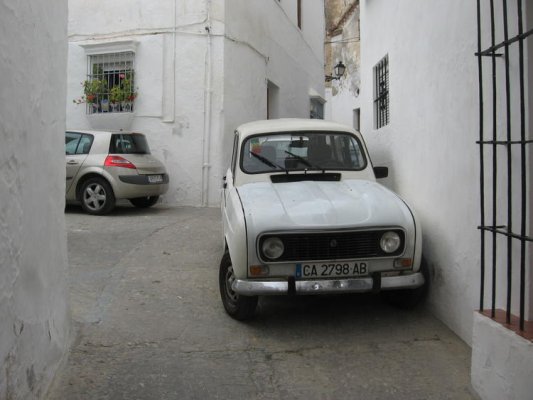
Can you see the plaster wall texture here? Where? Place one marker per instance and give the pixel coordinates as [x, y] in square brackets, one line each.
[340, 107]
[429, 144]
[198, 83]
[263, 44]
[34, 328]
[501, 362]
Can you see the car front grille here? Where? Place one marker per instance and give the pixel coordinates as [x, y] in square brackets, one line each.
[332, 245]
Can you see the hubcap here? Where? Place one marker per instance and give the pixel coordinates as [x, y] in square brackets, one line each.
[94, 196]
[230, 278]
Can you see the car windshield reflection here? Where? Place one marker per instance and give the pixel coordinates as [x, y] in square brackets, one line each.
[302, 151]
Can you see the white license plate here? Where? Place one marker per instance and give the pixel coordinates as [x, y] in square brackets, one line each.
[331, 269]
[155, 178]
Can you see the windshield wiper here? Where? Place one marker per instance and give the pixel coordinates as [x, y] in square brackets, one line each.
[266, 161]
[304, 161]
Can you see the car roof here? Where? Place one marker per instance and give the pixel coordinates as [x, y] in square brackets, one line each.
[98, 132]
[290, 125]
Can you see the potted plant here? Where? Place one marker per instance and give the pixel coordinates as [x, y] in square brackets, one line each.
[116, 96]
[92, 92]
[129, 93]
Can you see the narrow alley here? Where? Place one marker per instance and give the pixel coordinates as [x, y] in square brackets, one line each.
[150, 325]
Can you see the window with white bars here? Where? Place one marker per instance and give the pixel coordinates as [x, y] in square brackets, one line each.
[110, 84]
[381, 93]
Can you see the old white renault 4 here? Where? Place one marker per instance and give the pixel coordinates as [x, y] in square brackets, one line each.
[303, 214]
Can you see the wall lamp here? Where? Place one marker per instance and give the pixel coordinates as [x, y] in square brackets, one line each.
[338, 71]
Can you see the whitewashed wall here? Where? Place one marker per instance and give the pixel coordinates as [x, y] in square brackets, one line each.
[343, 95]
[179, 67]
[34, 327]
[430, 146]
[263, 43]
[429, 143]
[198, 82]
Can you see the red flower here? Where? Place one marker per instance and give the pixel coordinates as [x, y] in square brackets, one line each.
[122, 76]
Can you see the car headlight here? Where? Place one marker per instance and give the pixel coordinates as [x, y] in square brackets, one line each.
[390, 242]
[272, 248]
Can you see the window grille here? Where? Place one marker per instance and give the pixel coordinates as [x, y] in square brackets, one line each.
[381, 93]
[503, 138]
[110, 85]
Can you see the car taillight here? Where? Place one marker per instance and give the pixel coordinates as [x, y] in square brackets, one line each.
[117, 161]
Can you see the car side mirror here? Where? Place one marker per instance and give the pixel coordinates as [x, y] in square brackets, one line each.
[381, 172]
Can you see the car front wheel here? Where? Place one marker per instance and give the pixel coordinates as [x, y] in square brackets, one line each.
[97, 196]
[144, 202]
[237, 306]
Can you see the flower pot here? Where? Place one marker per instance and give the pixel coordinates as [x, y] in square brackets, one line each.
[115, 107]
[105, 105]
[127, 106]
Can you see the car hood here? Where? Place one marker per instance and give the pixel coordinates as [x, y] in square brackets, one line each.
[321, 205]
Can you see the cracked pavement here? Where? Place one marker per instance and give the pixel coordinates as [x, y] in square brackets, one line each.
[149, 324]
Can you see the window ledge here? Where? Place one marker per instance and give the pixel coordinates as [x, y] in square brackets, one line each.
[113, 121]
[110, 47]
[500, 317]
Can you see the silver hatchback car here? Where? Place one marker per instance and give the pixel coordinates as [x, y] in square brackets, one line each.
[104, 166]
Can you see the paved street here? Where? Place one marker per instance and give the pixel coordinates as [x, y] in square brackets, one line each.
[149, 324]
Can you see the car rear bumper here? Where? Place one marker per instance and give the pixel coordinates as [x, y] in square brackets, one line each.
[143, 179]
[374, 283]
[131, 186]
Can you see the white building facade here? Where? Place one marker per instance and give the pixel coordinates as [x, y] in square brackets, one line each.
[343, 45]
[420, 116]
[34, 317]
[196, 70]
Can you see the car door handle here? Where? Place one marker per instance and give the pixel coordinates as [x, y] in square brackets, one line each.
[72, 162]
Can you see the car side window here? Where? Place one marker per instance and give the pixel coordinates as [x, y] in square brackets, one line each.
[84, 146]
[72, 140]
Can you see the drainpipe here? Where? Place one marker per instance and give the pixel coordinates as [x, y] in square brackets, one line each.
[169, 111]
[206, 166]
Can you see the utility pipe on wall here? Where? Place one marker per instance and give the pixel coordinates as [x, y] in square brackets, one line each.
[169, 101]
[207, 111]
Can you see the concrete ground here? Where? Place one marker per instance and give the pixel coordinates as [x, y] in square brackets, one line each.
[149, 324]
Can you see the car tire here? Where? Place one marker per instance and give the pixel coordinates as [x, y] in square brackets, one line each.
[96, 196]
[237, 306]
[409, 298]
[144, 202]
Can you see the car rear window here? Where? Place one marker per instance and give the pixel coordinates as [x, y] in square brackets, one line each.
[128, 143]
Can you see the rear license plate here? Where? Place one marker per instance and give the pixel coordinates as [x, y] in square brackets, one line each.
[331, 270]
[155, 178]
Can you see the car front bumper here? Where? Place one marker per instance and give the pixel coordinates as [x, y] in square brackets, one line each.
[373, 283]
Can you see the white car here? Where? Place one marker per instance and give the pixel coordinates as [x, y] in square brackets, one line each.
[303, 214]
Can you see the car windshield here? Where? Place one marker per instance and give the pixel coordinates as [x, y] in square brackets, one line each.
[300, 151]
[128, 143]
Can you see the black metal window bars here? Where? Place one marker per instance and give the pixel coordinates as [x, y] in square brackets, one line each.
[493, 229]
[381, 92]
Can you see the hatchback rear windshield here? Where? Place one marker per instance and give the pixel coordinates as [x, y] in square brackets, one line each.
[128, 143]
